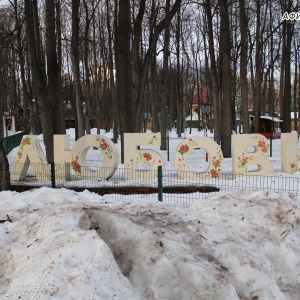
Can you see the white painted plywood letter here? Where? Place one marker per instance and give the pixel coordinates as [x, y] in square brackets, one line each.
[290, 154]
[242, 158]
[141, 164]
[109, 153]
[62, 156]
[215, 164]
[30, 152]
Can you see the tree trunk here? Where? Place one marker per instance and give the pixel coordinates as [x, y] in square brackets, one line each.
[287, 76]
[87, 70]
[59, 64]
[136, 63]
[4, 166]
[225, 49]
[25, 91]
[153, 95]
[214, 74]
[53, 89]
[36, 66]
[243, 67]
[46, 85]
[179, 104]
[282, 73]
[258, 66]
[123, 71]
[96, 72]
[271, 96]
[164, 84]
[296, 48]
[111, 77]
[75, 67]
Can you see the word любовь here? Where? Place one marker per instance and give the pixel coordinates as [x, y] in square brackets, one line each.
[30, 152]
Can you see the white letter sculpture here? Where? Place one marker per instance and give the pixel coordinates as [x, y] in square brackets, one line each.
[241, 158]
[62, 156]
[30, 152]
[133, 157]
[290, 153]
[109, 153]
[212, 148]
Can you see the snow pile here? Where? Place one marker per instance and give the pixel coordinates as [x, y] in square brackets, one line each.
[67, 245]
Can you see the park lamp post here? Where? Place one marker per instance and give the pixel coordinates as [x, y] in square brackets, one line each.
[5, 121]
[84, 109]
[68, 105]
[33, 122]
[184, 124]
[167, 133]
[206, 110]
[34, 109]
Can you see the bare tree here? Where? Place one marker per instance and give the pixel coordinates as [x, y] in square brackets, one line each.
[243, 67]
[4, 166]
[6, 36]
[123, 70]
[179, 71]
[75, 67]
[286, 107]
[225, 49]
[25, 85]
[214, 73]
[125, 52]
[46, 86]
[113, 98]
[140, 69]
[164, 84]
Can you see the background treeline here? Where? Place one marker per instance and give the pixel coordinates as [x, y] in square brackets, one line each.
[128, 59]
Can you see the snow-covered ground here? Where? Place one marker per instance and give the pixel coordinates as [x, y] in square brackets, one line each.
[60, 244]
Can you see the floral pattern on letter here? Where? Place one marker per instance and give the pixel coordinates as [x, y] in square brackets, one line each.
[293, 167]
[181, 164]
[261, 144]
[151, 141]
[242, 162]
[105, 147]
[216, 165]
[146, 156]
[183, 149]
[25, 141]
[76, 166]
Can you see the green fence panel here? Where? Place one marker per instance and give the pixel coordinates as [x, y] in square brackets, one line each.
[160, 183]
[13, 141]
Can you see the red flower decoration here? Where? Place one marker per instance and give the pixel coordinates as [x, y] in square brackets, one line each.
[147, 156]
[216, 163]
[183, 149]
[214, 174]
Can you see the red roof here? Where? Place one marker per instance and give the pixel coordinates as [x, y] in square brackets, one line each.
[203, 99]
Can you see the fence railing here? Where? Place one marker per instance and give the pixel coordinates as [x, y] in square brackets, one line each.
[164, 185]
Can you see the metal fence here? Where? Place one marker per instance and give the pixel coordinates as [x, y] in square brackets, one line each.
[164, 185]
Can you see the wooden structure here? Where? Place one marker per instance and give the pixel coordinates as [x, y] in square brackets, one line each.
[269, 127]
